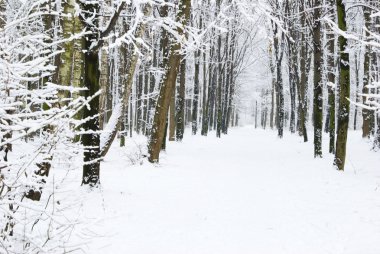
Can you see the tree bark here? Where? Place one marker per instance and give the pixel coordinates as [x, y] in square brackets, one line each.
[167, 85]
[331, 86]
[219, 85]
[172, 117]
[204, 95]
[71, 68]
[180, 116]
[104, 81]
[197, 56]
[303, 83]
[367, 114]
[279, 52]
[230, 77]
[91, 139]
[344, 91]
[318, 96]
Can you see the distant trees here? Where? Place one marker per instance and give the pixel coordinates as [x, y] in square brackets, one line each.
[370, 91]
[318, 67]
[76, 75]
[201, 96]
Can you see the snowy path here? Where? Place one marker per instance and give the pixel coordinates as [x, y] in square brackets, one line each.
[248, 193]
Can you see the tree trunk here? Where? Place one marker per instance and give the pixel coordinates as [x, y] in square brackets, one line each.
[144, 99]
[104, 81]
[172, 117]
[293, 68]
[303, 83]
[279, 52]
[227, 84]
[197, 56]
[231, 77]
[151, 88]
[127, 87]
[91, 139]
[204, 99]
[331, 86]
[318, 96]
[167, 86]
[219, 86]
[207, 106]
[344, 91]
[181, 101]
[367, 114]
[256, 115]
[71, 68]
[273, 91]
[139, 103]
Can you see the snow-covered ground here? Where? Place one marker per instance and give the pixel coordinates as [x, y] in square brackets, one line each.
[246, 193]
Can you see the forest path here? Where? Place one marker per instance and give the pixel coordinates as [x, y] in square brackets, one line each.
[246, 193]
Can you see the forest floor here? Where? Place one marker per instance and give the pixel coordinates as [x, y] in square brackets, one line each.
[246, 193]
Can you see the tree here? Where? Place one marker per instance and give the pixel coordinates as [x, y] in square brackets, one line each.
[121, 108]
[219, 80]
[194, 114]
[318, 96]
[37, 122]
[91, 139]
[305, 68]
[168, 84]
[344, 91]
[94, 41]
[330, 119]
[367, 114]
[180, 110]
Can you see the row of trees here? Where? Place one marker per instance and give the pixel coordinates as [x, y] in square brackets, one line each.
[76, 75]
[323, 54]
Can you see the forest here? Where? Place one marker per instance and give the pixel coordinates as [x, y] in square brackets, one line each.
[183, 126]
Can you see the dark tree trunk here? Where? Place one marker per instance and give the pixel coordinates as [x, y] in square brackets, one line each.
[344, 91]
[302, 102]
[331, 117]
[318, 96]
[226, 82]
[219, 85]
[172, 117]
[273, 90]
[204, 129]
[279, 52]
[181, 102]
[367, 114]
[292, 67]
[208, 105]
[91, 139]
[230, 77]
[194, 124]
[331, 86]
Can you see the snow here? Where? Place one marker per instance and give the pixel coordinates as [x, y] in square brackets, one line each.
[248, 192]
[110, 126]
